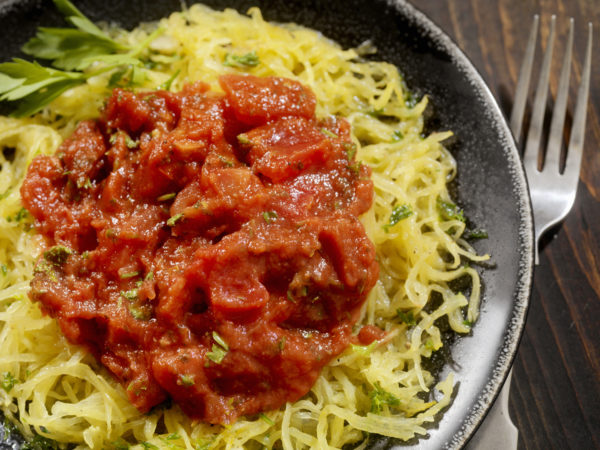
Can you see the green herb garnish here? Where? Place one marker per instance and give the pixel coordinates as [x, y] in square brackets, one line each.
[72, 52]
[329, 133]
[130, 295]
[266, 419]
[138, 313]
[165, 197]
[477, 234]
[398, 213]
[380, 398]
[350, 148]
[127, 275]
[219, 340]
[8, 381]
[219, 349]
[186, 380]
[174, 219]
[167, 84]
[57, 255]
[269, 215]
[406, 317]
[243, 61]
[363, 349]
[281, 344]
[449, 211]
[244, 139]
[40, 443]
[120, 445]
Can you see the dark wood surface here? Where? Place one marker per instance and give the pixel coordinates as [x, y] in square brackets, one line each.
[555, 395]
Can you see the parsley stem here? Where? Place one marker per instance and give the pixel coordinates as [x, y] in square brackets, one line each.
[135, 51]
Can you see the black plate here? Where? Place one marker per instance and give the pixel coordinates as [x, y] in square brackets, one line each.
[490, 185]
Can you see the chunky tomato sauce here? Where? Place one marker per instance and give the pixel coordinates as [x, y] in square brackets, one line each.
[205, 246]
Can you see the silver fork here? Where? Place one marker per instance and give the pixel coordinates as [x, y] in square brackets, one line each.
[552, 192]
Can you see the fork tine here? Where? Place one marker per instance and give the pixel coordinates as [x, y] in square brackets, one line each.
[575, 149]
[516, 117]
[552, 160]
[530, 156]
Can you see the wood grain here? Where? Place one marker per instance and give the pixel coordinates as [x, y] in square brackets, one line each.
[555, 396]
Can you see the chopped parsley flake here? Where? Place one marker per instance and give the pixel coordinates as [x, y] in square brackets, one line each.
[57, 255]
[477, 234]
[174, 219]
[120, 445]
[226, 161]
[244, 61]
[355, 167]
[266, 419]
[397, 136]
[219, 349]
[398, 213]
[138, 313]
[290, 296]
[130, 295]
[186, 380]
[217, 354]
[244, 139]
[329, 133]
[164, 198]
[363, 349]
[269, 215]
[449, 211]
[281, 344]
[219, 340]
[8, 381]
[350, 148]
[380, 398]
[127, 275]
[406, 317]
[167, 84]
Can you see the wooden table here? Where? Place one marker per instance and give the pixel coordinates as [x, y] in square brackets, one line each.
[555, 395]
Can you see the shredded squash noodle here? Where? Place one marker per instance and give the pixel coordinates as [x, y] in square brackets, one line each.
[52, 389]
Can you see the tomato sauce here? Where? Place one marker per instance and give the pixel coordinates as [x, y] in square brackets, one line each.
[205, 246]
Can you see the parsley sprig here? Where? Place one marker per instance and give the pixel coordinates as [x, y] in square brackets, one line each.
[76, 54]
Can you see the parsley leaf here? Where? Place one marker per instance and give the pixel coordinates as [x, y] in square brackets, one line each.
[71, 51]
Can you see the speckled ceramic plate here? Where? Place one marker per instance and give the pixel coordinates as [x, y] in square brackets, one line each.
[490, 186]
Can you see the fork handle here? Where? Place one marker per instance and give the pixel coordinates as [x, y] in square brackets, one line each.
[497, 432]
